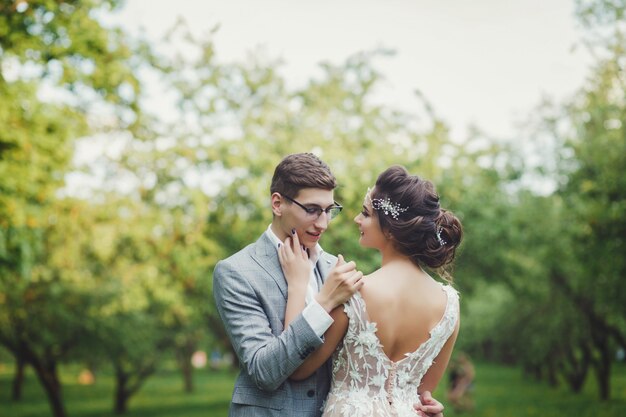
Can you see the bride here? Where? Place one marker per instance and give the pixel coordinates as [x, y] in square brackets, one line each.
[393, 339]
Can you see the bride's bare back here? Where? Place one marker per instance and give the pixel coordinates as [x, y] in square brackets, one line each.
[406, 304]
[395, 346]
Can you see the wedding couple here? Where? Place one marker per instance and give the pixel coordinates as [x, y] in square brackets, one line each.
[312, 334]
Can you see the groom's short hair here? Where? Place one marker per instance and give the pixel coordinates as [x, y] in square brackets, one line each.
[301, 170]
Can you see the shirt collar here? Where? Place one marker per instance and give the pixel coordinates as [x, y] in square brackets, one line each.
[314, 254]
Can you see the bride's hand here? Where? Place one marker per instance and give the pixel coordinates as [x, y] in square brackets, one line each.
[429, 406]
[294, 261]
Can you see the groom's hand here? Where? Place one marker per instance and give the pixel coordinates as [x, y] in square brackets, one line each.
[429, 407]
[342, 281]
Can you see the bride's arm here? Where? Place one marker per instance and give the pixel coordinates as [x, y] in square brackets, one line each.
[297, 270]
[436, 371]
[332, 337]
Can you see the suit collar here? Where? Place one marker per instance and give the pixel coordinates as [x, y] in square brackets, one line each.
[265, 255]
[325, 263]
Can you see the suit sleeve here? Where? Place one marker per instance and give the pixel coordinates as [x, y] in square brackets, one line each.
[267, 358]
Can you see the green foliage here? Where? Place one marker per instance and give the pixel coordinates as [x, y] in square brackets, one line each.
[124, 277]
[560, 254]
[65, 44]
[58, 65]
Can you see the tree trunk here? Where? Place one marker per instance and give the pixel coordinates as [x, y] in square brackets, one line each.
[604, 383]
[576, 368]
[603, 373]
[128, 383]
[187, 375]
[601, 331]
[602, 364]
[49, 378]
[18, 379]
[121, 393]
[183, 355]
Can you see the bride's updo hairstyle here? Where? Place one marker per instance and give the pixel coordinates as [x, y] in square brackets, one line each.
[408, 209]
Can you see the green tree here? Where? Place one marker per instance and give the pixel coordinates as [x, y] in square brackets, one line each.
[58, 65]
[556, 251]
[596, 197]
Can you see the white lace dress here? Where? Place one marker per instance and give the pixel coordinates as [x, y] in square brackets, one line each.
[366, 382]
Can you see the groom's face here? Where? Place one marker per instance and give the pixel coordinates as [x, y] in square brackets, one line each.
[309, 226]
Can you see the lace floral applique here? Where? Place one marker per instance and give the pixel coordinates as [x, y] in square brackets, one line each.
[366, 382]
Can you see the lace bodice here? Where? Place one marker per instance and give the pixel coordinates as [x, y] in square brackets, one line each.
[366, 382]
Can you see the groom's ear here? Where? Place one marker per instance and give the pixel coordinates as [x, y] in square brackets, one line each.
[277, 204]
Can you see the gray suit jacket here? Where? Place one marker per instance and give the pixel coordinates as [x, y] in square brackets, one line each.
[251, 294]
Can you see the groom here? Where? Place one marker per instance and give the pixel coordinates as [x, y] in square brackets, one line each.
[251, 293]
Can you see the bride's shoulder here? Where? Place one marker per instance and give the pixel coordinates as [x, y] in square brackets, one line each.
[373, 281]
[379, 274]
[449, 288]
[372, 278]
[452, 295]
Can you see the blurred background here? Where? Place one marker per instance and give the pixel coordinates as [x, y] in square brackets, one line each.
[137, 144]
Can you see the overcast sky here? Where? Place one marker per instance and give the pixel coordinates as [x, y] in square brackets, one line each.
[487, 62]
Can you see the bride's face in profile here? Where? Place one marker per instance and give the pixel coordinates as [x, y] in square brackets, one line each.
[369, 227]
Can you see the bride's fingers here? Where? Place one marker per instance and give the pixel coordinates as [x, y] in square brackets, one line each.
[357, 279]
[290, 250]
[297, 248]
[286, 250]
[360, 283]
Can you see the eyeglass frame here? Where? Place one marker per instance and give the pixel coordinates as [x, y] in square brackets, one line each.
[329, 210]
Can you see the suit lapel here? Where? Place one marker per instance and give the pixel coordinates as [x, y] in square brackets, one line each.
[324, 264]
[265, 255]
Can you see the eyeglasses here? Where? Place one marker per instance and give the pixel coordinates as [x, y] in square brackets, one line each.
[315, 212]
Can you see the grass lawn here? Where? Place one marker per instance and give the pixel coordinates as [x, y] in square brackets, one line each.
[503, 392]
[161, 396]
[499, 391]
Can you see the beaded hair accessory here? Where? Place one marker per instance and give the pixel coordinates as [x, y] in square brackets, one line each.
[386, 205]
[441, 241]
